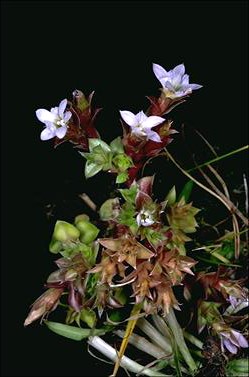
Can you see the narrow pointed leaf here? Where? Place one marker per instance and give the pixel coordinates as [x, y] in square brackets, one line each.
[92, 169]
[98, 142]
[72, 332]
[186, 191]
[117, 145]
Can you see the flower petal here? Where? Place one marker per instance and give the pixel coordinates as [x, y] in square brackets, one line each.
[55, 110]
[185, 79]
[47, 133]
[229, 346]
[240, 339]
[61, 132]
[44, 115]
[179, 70]
[195, 86]
[159, 71]
[152, 135]
[141, 117]
[62, 107]
[129, 118]
[152, 121]
[169, 86]
[67, 116]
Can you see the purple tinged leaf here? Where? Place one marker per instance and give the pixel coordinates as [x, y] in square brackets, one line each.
[74, 298]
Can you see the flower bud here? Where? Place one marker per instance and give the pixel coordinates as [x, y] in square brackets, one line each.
[45, 303]
[64, 232]
[80, 100]
[110, 209]
[122, 162]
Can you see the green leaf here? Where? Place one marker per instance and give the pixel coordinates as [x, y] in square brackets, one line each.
[117, 145]
[93, 143]
[171, 196]
[129, 194]
[89, 317]
[127, 214]
[152, 236]
[55, 246]
[237, 367]
[186, 191]
[72, 332]
[122, 177]
[92, 169]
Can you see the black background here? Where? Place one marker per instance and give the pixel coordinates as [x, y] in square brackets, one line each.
[48, 50]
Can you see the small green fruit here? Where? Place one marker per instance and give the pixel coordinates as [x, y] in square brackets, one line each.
[88, 231]
[64, 232]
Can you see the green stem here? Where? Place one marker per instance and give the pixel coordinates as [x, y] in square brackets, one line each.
[144, 345]
[220, 257]
[191, 338]
[179, 338]
[154, 335]
[219, 158]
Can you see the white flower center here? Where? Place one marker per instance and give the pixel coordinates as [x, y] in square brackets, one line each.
[61, 123]
[145, 218]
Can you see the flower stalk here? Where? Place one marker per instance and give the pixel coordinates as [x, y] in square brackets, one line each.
[125, 362]
[179, 338]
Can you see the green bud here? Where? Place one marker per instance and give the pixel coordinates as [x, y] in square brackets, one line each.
[109, 209]
[89, 317]
[88, 231]
[122, 162]
[64, 232]
[80, 100]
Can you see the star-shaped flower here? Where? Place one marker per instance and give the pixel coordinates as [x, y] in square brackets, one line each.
[55, 121]
[145, 218]
[141, 125]
[175, 82]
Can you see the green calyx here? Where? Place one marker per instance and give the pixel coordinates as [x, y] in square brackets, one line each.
[102, 156]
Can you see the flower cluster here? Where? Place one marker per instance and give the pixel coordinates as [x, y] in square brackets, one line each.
[137, 250]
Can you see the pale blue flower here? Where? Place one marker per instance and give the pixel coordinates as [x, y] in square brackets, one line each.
[232, 340]
[141, 124]
[145, 218]
[55, 121]
[175, 82]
